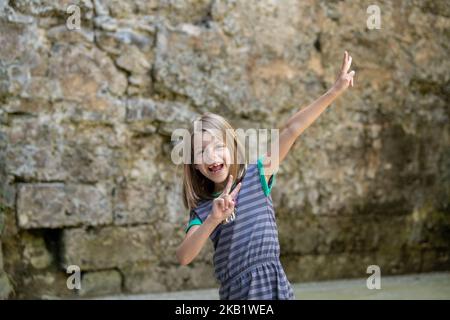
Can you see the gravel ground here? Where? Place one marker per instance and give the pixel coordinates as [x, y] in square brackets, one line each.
[416, 286]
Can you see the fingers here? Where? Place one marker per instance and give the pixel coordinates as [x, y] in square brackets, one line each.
[228, 202]
[228, 187]
[221, 204]
[351, 75]
[344, 61]
[235, 191]
[349, 63]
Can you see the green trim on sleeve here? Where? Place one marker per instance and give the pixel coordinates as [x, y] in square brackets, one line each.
[193, 222]
[267, 186]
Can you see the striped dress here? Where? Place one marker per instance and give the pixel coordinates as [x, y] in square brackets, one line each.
[246, 250]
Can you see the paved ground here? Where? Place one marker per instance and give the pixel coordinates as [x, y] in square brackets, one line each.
[417, 286]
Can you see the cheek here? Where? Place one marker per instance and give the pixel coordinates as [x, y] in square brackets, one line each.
[227, 156]
[198, 160]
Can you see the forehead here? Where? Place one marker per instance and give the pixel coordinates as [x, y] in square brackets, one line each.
[206, 138]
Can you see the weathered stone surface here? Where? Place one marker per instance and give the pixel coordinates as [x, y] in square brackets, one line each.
[46, 149]
[116, 36]
[48, 7]
[238, 43]
[144, 277]
[134, 203]
[92, 249]
[332, 235]
[308, 267]
[195, 11]
[35, 251]
[1, 257]
[18, 40]
[81, 113]
[169, 116]
[85, 74]
[52, 205]
[153, 278]
[35, 149]
[5, 286]
[134, 61]
[101, 283]
[47, 284]
[91, 153]
[86, 118]
[146, 200]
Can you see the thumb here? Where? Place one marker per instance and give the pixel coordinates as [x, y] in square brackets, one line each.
[220, 204]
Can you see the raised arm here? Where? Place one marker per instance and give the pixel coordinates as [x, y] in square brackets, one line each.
[301, 120]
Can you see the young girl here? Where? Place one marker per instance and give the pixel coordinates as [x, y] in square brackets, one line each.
[231, 203]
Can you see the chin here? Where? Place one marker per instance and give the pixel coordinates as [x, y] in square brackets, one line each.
[220, 179]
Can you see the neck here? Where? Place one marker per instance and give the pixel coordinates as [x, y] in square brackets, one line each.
[219, 186]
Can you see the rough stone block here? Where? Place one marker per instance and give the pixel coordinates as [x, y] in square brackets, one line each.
[34, 150]
[133, 204]
[53, 205]
[151, 277]
[43, 284]
[101, 283]
[35, 251]
[143, 197]
[108, 247]
[144, 277]
[91, 153]
[1, 256]
[315, 267]
[134, 61]
[171, 115]
[84, 72]
[5, 285]
[97, 105]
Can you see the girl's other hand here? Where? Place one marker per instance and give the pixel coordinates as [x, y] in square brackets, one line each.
[344, 78]
[223, 205]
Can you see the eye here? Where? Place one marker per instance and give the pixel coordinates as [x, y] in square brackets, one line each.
[198, 151]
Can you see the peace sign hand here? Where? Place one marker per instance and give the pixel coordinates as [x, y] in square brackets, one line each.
[223, 205]
[344, 78]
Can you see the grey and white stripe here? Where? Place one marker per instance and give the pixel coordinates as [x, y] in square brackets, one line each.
[247, 251]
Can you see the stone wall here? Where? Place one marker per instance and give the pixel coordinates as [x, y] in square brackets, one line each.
[86, 116]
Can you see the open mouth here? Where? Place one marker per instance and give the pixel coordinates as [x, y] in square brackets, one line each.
[215, 168]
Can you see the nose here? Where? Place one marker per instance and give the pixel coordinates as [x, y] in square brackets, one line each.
[210, 156]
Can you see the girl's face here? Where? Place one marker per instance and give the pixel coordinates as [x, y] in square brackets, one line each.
[213, 158]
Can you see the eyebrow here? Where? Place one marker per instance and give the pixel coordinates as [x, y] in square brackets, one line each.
[216, 144]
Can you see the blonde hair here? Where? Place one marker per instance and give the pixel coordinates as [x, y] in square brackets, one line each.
[196, 186]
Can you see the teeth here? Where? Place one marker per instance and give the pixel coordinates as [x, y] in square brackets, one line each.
[215, 167]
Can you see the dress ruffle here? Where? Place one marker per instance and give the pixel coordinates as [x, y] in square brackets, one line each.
[265, 281]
